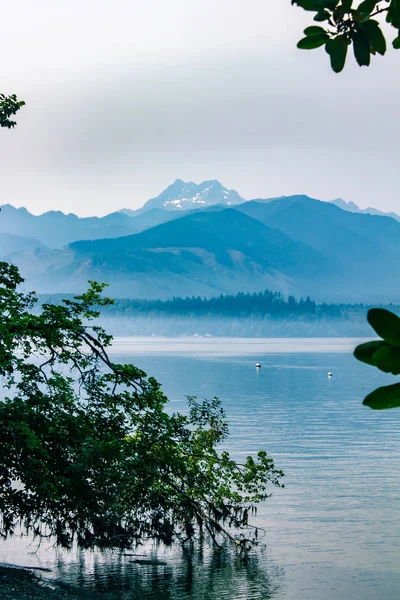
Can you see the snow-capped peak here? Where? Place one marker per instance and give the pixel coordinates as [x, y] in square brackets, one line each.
[183, 195]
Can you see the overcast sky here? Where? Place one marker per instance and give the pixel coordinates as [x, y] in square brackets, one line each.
[125, 96]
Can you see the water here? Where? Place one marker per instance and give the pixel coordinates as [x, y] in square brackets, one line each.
[332, 532]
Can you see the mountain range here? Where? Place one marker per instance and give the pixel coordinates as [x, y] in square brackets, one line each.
[206, 240]
[56, 229]
[352, 207]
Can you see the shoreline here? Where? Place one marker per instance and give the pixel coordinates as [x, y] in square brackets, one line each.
[198, 346]
[19, 583]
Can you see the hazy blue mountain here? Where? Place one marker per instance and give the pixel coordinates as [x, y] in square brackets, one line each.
[326, 227]
[10, 244]
[352, 207]
[365, 248]
[129, 212]
[222, 233]
[183, 195]
[56, 229]
[201, 253]
[294, 244]
[150, 218]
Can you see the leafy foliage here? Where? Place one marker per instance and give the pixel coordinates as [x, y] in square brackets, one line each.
[9, 106]
[347, 25]
[88, 452]
[383, 354]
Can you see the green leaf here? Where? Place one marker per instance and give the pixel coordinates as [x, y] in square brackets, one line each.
[384, 397]
[365, 352]
[347, 4]
[387, 359]
[393, 15]
[315, 30]
[308, 4]
[386, 324]
[330, 4]
[312, 41]
[337, 50]
[360, 17]
[367, 6]
[362, 51]
[364, 11]
[322, 15]
[316, 5]
[396, 43]
[375, 36]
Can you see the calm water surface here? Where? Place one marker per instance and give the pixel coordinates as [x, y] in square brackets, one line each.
[334, 531]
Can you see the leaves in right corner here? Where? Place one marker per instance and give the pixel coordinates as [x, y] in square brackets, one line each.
[337, 50]
[383, 354]
[384, 397]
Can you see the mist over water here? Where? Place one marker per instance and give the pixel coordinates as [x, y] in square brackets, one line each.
[332, 532]
[236, 326]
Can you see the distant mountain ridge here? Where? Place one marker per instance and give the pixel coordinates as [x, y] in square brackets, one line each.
[201, 253]
[296, 245]
[352, 207]
[57, 229]
[206, 240]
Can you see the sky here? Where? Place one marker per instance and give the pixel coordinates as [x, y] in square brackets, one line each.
[125, 96]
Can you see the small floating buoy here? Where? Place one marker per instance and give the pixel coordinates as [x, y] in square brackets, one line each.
[258, 365]
[330, 374]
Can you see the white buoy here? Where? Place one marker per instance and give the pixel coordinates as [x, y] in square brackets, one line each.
[258, 366]
[330, 374]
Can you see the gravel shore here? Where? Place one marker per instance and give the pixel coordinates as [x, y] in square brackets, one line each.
[21, 584]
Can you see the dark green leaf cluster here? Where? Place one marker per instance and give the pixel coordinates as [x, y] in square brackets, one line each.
[383, 354]
[88, 452]
[9, 106]
[346, 25]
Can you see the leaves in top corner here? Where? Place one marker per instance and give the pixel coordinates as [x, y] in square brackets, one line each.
[362, 52]
[315, 37]
[316, 5]
[337, 50]
[396, 42]
[364, 10]
[375, 36]
[347, 4]
[393, 14]
[322, 15]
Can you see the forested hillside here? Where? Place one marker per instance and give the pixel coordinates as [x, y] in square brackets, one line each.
[259, 314]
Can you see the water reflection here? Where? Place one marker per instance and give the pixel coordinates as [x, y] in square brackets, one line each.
[334, 529]
[175, 574]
